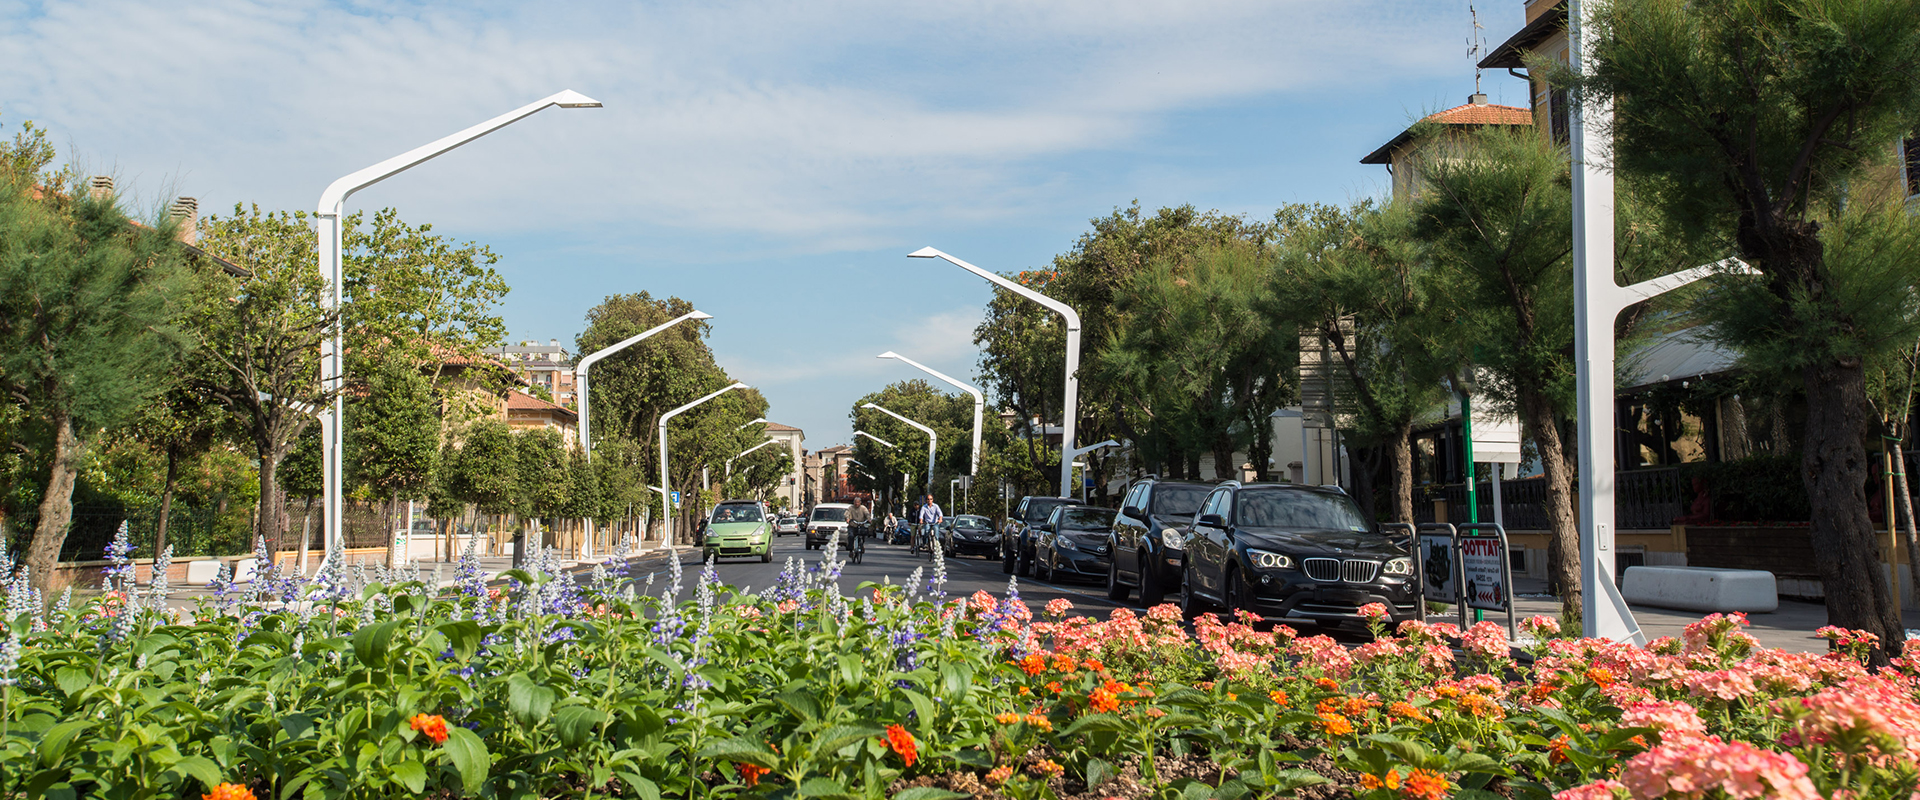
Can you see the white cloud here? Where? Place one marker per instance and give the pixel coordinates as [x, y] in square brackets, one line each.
[941, 340]
[821, 123]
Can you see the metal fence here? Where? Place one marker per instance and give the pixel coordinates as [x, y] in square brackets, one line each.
[192, 530]
[1644, 499]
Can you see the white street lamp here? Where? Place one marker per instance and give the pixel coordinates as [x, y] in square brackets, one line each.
[746, 451]
[873, 437]
[979, 403]
[327, 222]
[1597, 303]
[932, 439]
[580, 370]
[1070, 404]
[755, 422]
[667, 532]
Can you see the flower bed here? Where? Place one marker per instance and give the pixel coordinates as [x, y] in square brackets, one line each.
[375, 685]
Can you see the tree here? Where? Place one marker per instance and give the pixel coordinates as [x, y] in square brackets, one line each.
[87, 306]
[182, 422]
[1762, 118]
[264, 332]
[393, 437]
[1359, 278]
[545, 485]
[951, 416]
[486, 471]
[413, 294]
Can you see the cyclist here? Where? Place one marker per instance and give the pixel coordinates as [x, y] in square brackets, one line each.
[930, 517]
[858, 517]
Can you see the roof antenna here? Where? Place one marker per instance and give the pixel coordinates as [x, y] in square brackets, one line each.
[1475, 45]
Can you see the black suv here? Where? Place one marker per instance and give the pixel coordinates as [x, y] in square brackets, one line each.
[1017, 536]
[1149, 537]
[1287, 550]
[969, 534]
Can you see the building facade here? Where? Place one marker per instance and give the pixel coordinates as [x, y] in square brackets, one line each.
[548, 366]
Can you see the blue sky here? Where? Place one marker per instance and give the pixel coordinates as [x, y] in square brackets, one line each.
[773, 162]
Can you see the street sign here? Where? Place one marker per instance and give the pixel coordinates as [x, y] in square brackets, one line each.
[676, 499]
[1437, 568]
[1482, 559]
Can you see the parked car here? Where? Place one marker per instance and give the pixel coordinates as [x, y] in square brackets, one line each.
[1016, 536]
[788, 525]
[969, 534]
[1149, 536]
[1293, 551]
[739, 528]
[826, 520]
[1075, 540]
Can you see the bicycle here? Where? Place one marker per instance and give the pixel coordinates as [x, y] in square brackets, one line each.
[856, 543]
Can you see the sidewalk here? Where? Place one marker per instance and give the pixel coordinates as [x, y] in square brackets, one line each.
[1789, 628]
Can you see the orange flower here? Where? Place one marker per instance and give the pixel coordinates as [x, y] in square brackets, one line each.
[1205, 686]
[1155, 713]
[1480, 706]
[1409, 712]
[1102, 701]
[1278, 697]
[901, 742]
[229, 791]
[1447, 691]
[1040, 721]
[1425, 784]
[1601, 676]
[1328, 706]
[1539, 694]
[1356, 706]
[1557, 749]
[1063, 663]
[1007, 718]
[1334, 725]
[1024, 691]
[1047, 767]
[1093, 664]
[1033, 664]
[1000, 774]
[1232, 697]
[433, 725]
[1391, 780]
[1053, 686]
[750, 773]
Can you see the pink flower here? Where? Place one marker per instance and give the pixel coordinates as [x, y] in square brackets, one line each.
[1058, 607]
[1737, 769]
[1487, 640]
[1724, 684]
[1598, 790]
[1542, 627]
[1879, 712]
[1374, 611]
[1165, 612]
[1676, 722]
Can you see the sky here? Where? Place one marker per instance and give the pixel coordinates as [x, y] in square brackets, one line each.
[772, 162]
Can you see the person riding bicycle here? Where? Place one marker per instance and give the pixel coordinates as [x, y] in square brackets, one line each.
[930, 516]
[858, 517]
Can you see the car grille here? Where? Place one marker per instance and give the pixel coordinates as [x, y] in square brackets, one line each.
[1352, 570]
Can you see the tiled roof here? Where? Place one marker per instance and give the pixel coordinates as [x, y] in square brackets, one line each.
[1471, 114]
[521, 401]
[775, 426]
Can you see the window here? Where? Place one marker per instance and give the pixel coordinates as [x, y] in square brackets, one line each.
[1177, 501]
[738, 513]
[1135, 497]
[1297, 510]
[1086, 519]
[1559, 116]
[1217, 504]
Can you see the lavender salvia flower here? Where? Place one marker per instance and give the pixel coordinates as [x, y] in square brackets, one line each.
[118, 576]
[6, 564]
[937, 585]
[913, 585]
[157, 587]
[64, 606]
[10, 659]
[20, 598]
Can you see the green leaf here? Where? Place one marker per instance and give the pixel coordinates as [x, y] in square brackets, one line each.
[53, 746]
[1096, 722]
[930, 793]
[464, 636]
[411, 774]
[647, 789]
[371, 642]
[742, 751]
[1408, 751]
[469, 756]
[71, 680]
[922, 706]
[576, 724]
[1098, 772]
[1288, 780]
[800, 705]
[198, 768]
[822, 787]
[529, 701]
[840, 736]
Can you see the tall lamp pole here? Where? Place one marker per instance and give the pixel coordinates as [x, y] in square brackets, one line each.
[932, 439]
[1070, 404]
[667, 504]
[1597, 301]
[979, 403]
[890, 446]
[586, 364]
[327, 232]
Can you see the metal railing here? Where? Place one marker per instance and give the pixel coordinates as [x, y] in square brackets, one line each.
[1644, 499]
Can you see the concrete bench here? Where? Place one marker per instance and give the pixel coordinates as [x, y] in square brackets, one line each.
[1702, 589]
[201, 573]
[243, 569]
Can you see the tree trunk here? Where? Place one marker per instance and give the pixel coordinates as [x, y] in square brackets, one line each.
[1401, 452]
[166, 501]
[393, 540]
[272, 523]
[1563, 536]
[1223, 467]
[56, 508]
[1834, 467]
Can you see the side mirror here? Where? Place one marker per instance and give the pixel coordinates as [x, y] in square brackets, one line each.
[1044, 527]
[1134, 513]
[1210, 520]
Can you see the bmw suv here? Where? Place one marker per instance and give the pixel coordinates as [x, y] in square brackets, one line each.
[1292, 551]
[1149, 537]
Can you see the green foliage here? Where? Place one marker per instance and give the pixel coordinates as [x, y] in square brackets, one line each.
[301, 473]
[541, 471]
[950, 416]
[487, 469]
[393, 434]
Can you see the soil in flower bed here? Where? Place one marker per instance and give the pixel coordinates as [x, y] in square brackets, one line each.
[1129, 784]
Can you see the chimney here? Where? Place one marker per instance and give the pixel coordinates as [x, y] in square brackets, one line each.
[1477, 99]
[186, 212]
[553, 342]
[100, 188]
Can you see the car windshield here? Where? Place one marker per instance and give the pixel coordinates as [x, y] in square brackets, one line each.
[1040, 507]
[829, 515]
[741, 513]
[1086, 519]
[1288, 508]
[1178, 501]
[972, 522]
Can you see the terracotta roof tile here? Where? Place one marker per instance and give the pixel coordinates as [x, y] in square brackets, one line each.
[775, 426]
[521, 401]
[1469, 114]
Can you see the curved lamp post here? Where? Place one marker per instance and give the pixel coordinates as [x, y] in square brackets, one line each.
[330, 210]
[1070, 404]
[932, 439]
[979, 403]
[667, 515]
[873, 437]
[580, 370]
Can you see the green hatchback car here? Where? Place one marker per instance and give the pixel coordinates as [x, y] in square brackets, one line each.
[740, 528]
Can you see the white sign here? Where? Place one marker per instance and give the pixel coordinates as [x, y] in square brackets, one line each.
[676, 499]
[1484, 561]
[1436, 565]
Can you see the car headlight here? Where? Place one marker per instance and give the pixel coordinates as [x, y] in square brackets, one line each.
[1065, 543]
[1399, 566]
[1264, 559]
[1170, 539]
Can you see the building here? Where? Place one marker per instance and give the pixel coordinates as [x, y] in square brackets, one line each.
[526, 412]
[1401, 154]
[548, 366]
[794, 485]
